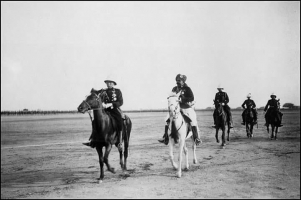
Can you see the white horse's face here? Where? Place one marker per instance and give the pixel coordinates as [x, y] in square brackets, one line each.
[173, 106]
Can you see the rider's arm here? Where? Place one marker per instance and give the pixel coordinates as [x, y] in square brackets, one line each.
[188, 97]
[226, 98]
[266, 107]
[243, 105]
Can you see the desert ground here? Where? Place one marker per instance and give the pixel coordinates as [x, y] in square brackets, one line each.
[42, 157]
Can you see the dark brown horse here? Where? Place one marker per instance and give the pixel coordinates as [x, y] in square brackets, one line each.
[221, 122]
[273, 120]
[250, 121]
[104, 132]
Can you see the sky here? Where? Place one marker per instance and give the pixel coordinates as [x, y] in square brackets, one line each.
[53, 53]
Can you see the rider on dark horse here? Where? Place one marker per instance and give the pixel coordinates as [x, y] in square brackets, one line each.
[273, 106]
[249, 103]
[186, 104]
[112, 103]
[222, 97]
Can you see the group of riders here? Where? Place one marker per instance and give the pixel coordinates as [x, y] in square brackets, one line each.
[114, 101]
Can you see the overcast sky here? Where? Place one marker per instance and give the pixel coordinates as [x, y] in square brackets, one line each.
[54, 53]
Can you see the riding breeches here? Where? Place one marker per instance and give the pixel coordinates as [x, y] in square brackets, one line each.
[188, 112]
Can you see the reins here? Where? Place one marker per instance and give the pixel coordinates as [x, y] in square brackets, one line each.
[176, 114]
[90, 108]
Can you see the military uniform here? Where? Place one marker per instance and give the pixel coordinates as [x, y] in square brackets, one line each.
[185, 94]
[114, 96]
[273, 106]
[222, 97]
[249, 103]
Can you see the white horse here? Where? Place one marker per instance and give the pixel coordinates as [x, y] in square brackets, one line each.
[179, 129]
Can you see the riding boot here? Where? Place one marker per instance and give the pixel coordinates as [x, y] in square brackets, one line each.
[89, 144]
[195, 135]
[165, 136]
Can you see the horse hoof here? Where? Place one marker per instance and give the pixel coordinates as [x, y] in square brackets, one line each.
[217, 141]
[112, 170]
[179, 175]
[195, 161]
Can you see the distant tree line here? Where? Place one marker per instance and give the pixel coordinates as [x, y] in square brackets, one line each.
[47, 112]
[37, 112]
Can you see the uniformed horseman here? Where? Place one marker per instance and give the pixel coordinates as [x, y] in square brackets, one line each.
[249, 103]
[222, 97]
[112, 102]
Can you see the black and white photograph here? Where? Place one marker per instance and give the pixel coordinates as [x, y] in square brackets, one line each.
[150, 99]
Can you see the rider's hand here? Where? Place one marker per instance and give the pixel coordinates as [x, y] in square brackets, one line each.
[107, 105]
[223, 104]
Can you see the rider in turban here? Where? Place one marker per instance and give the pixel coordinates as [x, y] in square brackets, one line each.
[186, 100]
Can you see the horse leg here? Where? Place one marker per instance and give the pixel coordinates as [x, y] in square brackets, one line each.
[126, 153]
[223, 137]
[179, 173]
[251, 129]
[121, 150]
[171, 146]
[276, 131]
[106, 158]
[101, 160]
[128, 126]
[228, 136]
[195, 161]
[186, 156]
[216, 135]
[272, 134]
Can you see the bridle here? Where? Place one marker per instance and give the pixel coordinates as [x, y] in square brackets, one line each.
[176, 114]
[90, 108]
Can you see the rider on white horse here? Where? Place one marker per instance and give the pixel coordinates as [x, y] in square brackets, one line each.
[186, 99]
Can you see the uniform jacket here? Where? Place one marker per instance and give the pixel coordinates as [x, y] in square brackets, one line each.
[186, 95]
[248, 102]
[273, 104]
[114, 96]
[222, 97]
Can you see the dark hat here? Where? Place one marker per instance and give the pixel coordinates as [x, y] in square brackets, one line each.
[181, 77]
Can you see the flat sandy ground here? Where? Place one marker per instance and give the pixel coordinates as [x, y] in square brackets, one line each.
[42, 157]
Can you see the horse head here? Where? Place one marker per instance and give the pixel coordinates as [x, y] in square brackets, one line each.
[92, 101]
[173, 105]
[218, 108]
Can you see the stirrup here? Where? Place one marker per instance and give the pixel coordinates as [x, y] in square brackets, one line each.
[87, 144]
